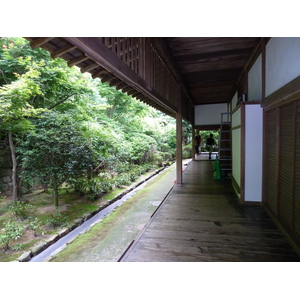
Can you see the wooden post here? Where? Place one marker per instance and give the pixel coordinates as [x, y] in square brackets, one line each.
[179, 142]
[193, 143]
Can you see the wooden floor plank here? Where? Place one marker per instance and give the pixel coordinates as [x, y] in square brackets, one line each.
[201, 221]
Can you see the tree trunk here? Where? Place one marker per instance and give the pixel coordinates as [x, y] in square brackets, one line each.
[55, 191]
[16, 194]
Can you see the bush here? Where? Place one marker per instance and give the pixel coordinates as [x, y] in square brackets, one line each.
[57, 219]
[187, 152]
[107, 185]
[142, 146]
[35, 224]
[17, 247]
[21, 209]
[123, 179]
[11, 231]
[95, 187]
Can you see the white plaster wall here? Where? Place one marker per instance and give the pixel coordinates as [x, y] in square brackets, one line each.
[253, 153]
[209, 114]
[236, 155]
[255, 81]
[236, 146]
[236, 118]
[234, 101]
[282, 62]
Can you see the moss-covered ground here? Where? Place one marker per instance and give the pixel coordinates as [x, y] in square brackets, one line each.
[71, 206]
[107, 240]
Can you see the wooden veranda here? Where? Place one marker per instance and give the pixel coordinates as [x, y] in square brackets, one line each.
[201, 221]
[176, 75]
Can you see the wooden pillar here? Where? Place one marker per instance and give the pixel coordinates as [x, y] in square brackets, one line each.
[179, 142]
[193, 143]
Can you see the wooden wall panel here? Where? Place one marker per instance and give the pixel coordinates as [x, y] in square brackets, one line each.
[282, 166]
[271, 158]
[286, 159]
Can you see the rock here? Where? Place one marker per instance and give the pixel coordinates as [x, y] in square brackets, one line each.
[63, 232]
[39, 248]
[25, 256]
[52, 239]
[75, 223]
[87, 216]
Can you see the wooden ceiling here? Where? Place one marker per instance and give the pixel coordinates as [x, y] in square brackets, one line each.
[211, 67]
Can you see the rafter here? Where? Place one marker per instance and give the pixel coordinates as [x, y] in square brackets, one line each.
[40, 41]
[89, 67]
[62, 51]
[77, 60]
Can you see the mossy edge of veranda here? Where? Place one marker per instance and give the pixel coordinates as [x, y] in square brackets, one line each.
[76, 208]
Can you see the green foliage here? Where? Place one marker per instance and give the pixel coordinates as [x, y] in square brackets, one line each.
[17, 247]
[15, 56]
[187, 152]
[141, 147]
[57, 219]
[21, 210]
[70, 128]
[123, 179]
[56, 151]
[10, 232]
[15, 110]
[36, 225]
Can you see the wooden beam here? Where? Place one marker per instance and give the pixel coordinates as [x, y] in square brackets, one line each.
[77, 60]
[114, 82]
[288, 93]
[106, 78]
[89, 67]
[120, 86]
[126, 89]
[99, 74]
[39, 42]
[62, 51]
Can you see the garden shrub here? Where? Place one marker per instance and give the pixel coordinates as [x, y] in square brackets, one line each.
[21, 209]
[36, 225]
[17, 247]
[80, 185]
[123, 179]
[11, 231]
[187, 152]
[57, 219]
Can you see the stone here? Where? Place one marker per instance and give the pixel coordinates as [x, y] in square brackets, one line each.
[86, 216]
[52, 239]
[39, 248]
[63, 232]
[25, 256]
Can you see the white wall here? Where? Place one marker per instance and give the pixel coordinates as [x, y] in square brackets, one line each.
[236, 146]
[253, 152]
[209, 114]
[234, 101]
[282, 62]
[255, 81]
